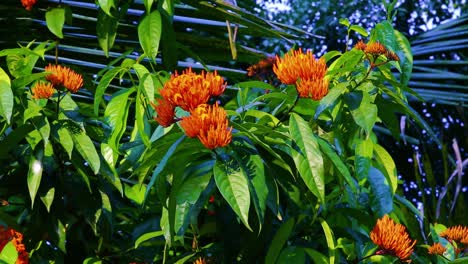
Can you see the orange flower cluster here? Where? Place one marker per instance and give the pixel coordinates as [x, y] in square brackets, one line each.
[28, 4]
[64, 76]
[376, 49]
[262, 69]
[209, 124]
[392, 238]
[190, 90]
[457, 233]
[7, 235]
[436, 249]
[42, 90]
[303, 70]
[200, 260]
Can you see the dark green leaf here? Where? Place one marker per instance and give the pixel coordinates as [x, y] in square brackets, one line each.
[84, 145]
[106, 6]
[169, 44]
[103, 84]
[149, 33]
[331, 98]
[406, 61]
[362, 162]
[35, 173]
[384, 158]
[106, 30]
[23, 81]
[258, 186]
[292, 254]
[307, 156]
[280, 238]
[148, 236]
[382, 198]
[364, 112]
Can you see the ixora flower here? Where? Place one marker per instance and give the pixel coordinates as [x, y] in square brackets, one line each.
[305, 71]
[42, 90]
[436, 249]
[209, 124]
[457, 233]
[64, 76]
[200, 260]
[7, 235]
[392, 239]
[28, 4]
[376, 49]
[165, 112]
[189, 90]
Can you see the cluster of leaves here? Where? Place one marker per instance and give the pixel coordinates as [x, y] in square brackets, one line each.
[301, 181]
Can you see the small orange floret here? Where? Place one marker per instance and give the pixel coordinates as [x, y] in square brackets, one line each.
[315, 89]
[360, 45]
[209, 123]
[7, 235]
[436, 249]
[200, 260]
[42, 90]
[262, 68]
[392, 238]
[165, 112]
[376, 49]
[457, 233]
[190, 90]
[64, 76]
[28, 4]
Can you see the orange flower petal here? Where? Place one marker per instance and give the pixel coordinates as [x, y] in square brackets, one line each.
[42, 90]
[456, 233]
[64, 76]
[165, 112]
[436, 249]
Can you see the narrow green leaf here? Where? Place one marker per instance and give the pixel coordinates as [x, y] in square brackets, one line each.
[330, 241]
[55, 19]
[136, 193]
[116, 115]
[103, 84]
[292, 254]
[233, 185]
[84, 145]
[62, 136]
[62, 236]
[382, 198]
[406, 61]
[384, 158]
[149, 33]
[316, 256]
[359, 30]
[148, 4]
[92, 260]
[338, 163]
[146, 81]
[106, 30]
[48, 198]
[280, 238]
[162, 164]
[362, 162]
[106, 6]
[307, 156]
[364, 112]
[6, 96]
[344, 21]
[35, 174]
[23, 81]
[148, 236]
[331, 98]
[258, 186]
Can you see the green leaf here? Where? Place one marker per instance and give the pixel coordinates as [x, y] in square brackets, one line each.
[359, 30]
[55, 19]
[148, 236]
[344, 21]
[382, 198]
[258, 186]
[330, 241]
[64, 138]
[48, 198]
[187, 194]
[362, 162]
[92, 260]
[148, 4]
[331, 98]
[169, 45]
[84, 145]
[35, 174]
[406, 61]
[9, 255]
[162, 164]
[149, 33]
[6, 96]
[23, 81]
[338, 163]
[292, 254]
[103, 84]
[146, 81]
[106, 6]
[316, 256]
[233, 185]
[62, 236]
[459, 260]
[364, 112]
[106, 30]
[280, 238]
[12, 140]
[307, 156]
[384, 158]
[385, 34]
[116, 115]
[135, 193]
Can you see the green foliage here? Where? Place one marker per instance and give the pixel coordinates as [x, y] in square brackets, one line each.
[300, 181]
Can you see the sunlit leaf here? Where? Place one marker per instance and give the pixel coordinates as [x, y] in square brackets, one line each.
[382, 198]
[148, 236]
[149, 33]
[48, 198]
[55, 19]
[35, 174]
[330, 241]
[6, 96]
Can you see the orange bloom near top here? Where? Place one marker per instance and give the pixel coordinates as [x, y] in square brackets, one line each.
[28, 4]
[456, 233]
[436, 249]
[64, 76]
[392, 238]
[42, 90]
